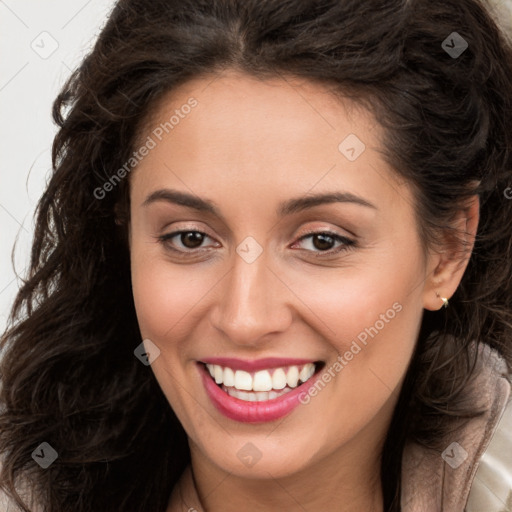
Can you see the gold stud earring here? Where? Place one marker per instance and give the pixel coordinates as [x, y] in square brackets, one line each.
[444, 299]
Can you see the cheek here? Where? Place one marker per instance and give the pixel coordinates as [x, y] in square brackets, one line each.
[372, 326]
[165, 298]
[348, 302]
[371, 316]
[162, 298]
[162, 292]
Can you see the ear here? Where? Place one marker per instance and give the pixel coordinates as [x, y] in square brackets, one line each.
[447, 264]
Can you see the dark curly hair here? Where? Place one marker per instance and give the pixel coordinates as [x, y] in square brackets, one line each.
[68, 372]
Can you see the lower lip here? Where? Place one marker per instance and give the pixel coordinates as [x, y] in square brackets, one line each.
[253, 412]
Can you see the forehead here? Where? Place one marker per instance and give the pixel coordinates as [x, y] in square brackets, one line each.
[281, 108]
[244, 133]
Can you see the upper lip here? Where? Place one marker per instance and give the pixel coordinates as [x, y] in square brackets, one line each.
[256, 364]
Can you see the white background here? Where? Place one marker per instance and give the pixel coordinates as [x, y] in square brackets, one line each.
[29, 82]
[30, 79]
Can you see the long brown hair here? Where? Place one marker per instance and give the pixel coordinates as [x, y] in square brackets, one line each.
[68, 373]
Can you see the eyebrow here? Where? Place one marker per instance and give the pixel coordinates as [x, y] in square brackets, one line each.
[287, 208]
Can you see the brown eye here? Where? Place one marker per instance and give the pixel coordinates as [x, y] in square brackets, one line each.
[184, 241]
[324, 243]
[191, 239]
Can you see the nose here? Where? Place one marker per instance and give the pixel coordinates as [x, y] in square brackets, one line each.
[253, 303]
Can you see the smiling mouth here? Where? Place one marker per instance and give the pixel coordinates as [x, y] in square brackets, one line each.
[262, 385]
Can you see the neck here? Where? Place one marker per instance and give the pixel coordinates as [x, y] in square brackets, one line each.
[327, 485]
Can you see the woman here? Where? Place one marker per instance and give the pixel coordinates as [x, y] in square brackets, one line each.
[271, 269]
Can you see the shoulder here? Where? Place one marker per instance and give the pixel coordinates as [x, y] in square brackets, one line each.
[501, 12]
[4, 502]
[491, 488]
[4, 499]
[473, 456]
[7, 504]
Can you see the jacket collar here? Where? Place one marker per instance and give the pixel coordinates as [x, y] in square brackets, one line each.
[441, 480]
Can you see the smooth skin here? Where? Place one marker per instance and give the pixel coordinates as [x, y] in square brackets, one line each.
[247, 147]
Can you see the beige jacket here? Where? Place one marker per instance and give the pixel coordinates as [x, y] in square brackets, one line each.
[474, 475]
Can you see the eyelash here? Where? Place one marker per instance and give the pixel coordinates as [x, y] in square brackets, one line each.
[347, 243]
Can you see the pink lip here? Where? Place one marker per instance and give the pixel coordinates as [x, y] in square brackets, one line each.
[253, 412]
[253, 366]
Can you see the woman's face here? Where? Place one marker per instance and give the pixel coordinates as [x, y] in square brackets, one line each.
[249, 171]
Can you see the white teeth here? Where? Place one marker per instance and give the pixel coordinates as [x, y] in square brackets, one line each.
[243, 380]
[242, 395]
[229, 377]
[279, 379]
[306, 372]
[218, 374]
[259, 396]
[263, 382]
[292, 377]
